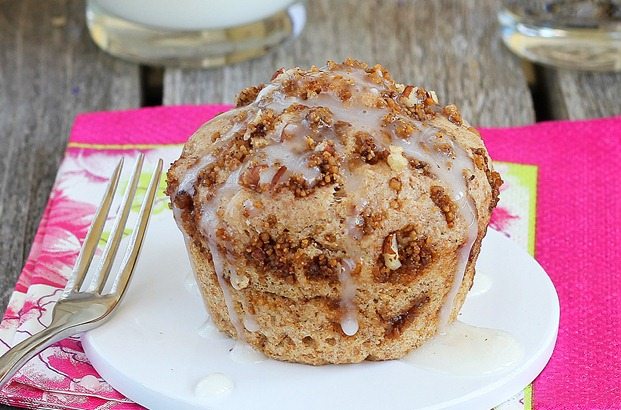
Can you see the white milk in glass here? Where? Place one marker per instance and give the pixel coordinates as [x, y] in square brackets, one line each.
[193, 33]
[193, 14]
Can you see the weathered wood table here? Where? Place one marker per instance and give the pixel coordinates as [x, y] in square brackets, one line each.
[50, 70]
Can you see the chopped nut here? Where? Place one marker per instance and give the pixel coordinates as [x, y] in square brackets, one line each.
[403, 128]
[395, 184]
[281, 171]
[372, 220]
[391, 252]
[366, 147]
[395, 159]
[251, 177]
[434, 97]
[239, 282]
[453, 114]
[395, 204]
[410, 98]
[310, 143]
[408, 90]
[319, 117]
[277, 73]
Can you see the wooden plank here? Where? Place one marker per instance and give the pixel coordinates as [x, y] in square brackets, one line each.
[49, 71]
[579, 95]
[450, 46]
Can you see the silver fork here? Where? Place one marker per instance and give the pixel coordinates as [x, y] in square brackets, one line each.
[83, 306]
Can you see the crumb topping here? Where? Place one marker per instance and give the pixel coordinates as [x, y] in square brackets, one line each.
[493, 177]
[414, 254]
[395, 184]
[312, 115]
[453, 114]
[324, 268]
[444, 202]
[372, 220]
[248, 95]
[397, 324]
[367, 148]
[273, 255]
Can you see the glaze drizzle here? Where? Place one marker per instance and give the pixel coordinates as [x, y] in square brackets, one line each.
[291, 139]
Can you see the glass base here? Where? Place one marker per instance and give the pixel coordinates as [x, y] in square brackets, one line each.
[201, 48]
[585, 49]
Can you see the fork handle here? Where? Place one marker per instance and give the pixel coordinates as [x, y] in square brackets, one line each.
[18, 355]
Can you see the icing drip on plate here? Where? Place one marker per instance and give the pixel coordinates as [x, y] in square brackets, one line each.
[468, 351]
[214, 385]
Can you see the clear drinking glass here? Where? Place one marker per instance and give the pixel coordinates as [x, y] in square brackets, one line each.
[192, 33]
[574, 34]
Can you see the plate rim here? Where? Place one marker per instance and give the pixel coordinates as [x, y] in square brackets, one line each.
[479, 397]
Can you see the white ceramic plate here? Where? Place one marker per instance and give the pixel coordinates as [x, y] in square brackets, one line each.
[154, 348]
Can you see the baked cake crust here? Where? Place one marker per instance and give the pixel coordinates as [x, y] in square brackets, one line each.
[335, 215]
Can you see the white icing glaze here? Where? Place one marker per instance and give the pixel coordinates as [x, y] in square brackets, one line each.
[267, 175]
[250, 323]
[451, 172]
[177, 214]
[189, 283]
[469, 351]
[353, 229]
[482, 283]
[234, 278]
[349, 325]
[250, 208]
[218, 264]
[191, 174]
[287, 154]
[208, 330]
[349, 321]
[214, 385]
[362, 117]
[209, 224]
[244, 353]
[189, 179]
[355, 221]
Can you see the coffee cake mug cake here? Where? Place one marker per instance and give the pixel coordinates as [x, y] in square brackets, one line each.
[334, 215]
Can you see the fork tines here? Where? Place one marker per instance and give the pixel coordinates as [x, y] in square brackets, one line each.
[85, 257]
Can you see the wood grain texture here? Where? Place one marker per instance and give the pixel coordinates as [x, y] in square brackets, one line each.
[450, 46]
[49, 71]
[579, 95]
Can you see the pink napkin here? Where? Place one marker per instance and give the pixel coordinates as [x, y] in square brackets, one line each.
[578, 242]
[569, 168]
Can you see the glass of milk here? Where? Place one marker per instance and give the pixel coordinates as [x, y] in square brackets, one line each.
[192, 33]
